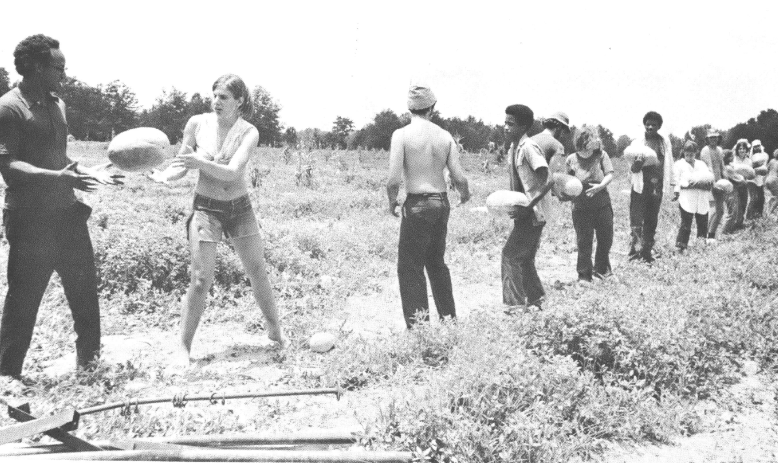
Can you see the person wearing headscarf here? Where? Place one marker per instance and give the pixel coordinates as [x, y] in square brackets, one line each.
[592, 210]
[692, 194]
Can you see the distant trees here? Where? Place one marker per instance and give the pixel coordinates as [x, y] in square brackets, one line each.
[87, 110]
[763, 127]
[341, 129]
[378, 134]
[121, 107]
[5, 82]
[265, 117]
[169, 114]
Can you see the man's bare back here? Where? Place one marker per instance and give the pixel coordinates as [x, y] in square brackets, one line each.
[426, 148]
[422, 151]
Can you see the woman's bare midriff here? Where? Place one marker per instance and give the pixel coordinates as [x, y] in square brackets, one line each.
[221, 190]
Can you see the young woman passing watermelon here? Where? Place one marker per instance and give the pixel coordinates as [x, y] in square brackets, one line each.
[592, 210]
[218, 145]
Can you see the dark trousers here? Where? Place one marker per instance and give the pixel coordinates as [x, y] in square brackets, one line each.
[682, 240]
[587, 223]
[422, 246]
[643, 219]
[742, 191]
[756, 205]
[716, 212]
[732, 201]
[39, 245]
[520, 281]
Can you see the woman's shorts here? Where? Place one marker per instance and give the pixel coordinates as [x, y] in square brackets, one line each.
[211, 219]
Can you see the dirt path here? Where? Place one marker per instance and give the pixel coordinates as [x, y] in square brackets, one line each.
[742, 427]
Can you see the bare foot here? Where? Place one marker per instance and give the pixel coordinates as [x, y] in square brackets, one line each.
[180, 356]
[279, 338]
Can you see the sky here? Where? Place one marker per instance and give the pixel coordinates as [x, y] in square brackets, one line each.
[601, 62]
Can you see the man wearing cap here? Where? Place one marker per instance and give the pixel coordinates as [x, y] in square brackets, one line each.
[713, 156]
[521, 286]
[548, 140]
[648, 181]
[44, 222]
[420, 153]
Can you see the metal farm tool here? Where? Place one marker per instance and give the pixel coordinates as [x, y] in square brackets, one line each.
[57, 426]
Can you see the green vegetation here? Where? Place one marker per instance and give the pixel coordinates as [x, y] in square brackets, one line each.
[623, 360]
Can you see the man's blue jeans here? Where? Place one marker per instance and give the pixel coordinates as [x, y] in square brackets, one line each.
[422, 246]
[40, 243]
[520, 281]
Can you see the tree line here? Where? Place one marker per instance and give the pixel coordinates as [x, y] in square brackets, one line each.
[99, 112]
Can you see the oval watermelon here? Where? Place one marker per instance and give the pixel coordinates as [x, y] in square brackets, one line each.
[724, 186]
[701, 179]
[501, 202]
[566, 185]
[138, 149]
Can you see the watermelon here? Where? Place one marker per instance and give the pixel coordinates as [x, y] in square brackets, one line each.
[138, 149]
[701, 179]
[322, 342]
[566, 185]
[759, 159]
[502, 202]
[724, 186]
[746, 171]
[650, 157]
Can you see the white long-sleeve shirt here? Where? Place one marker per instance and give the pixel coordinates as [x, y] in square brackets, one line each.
[692, 200]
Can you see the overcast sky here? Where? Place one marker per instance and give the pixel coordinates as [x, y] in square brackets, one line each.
[601, 62]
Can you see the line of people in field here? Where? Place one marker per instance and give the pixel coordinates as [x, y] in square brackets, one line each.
[421, 152]
[46, 225]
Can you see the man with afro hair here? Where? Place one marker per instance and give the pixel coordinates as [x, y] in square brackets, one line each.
[44, 222]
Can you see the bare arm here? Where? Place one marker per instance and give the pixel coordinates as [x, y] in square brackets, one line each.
[225, 172]
[16, 171]
[457, 174]
[543, 176]
[177, 171]
[396, 161]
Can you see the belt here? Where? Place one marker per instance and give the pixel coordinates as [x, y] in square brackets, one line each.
[230, 205]
[441, 195]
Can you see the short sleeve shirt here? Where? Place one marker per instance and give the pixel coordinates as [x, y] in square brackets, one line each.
[589, 171]
[34, 132]
[528, 158]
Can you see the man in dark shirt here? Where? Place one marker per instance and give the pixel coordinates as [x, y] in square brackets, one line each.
[44, 222]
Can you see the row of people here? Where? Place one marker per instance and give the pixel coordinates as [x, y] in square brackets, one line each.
[421, 152]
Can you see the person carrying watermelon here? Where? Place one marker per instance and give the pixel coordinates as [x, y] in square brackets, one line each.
[713, 156]
[692, 182]
[420, 154]
[529, 173]
[592, 210]
[759, 160]
[744, 189]
[44, 222]
[652, 153]
[218, 145]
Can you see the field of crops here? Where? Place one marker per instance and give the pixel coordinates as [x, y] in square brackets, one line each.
[626, 360]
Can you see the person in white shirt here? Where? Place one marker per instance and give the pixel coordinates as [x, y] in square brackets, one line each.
[692, 191]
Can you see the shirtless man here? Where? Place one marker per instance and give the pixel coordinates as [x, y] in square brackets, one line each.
[420, 154]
